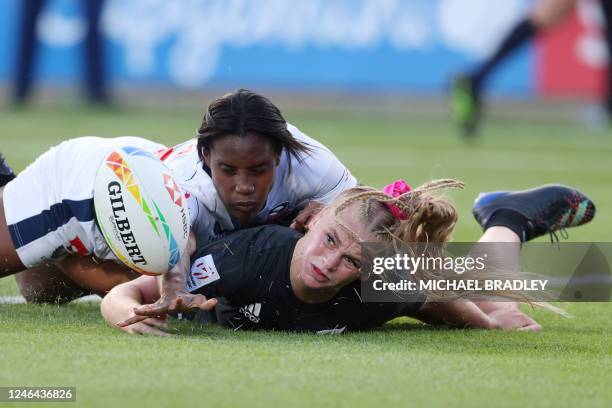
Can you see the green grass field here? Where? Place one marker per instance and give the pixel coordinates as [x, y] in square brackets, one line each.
[568, 363]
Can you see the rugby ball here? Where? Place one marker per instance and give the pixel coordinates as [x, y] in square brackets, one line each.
[141, 210]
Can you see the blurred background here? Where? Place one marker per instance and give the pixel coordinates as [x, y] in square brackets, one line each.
[369, 78]
[340, 46]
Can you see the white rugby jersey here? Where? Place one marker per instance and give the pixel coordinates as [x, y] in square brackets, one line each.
[319, 176]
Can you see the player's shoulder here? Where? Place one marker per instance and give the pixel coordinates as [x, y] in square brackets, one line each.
[88, 151]
[318, 160]
[256, 239]
[88, 144]
[315, 147]
[267, 237]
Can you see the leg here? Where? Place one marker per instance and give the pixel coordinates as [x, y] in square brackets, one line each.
[515, 217]
[47, 284]
[546, 14]
[95, 79]
[71, 278]
[9, 260]
[26, 49]
[507, 256]
[606, 6]
[99, 277]
[467, 90]
[504, 315]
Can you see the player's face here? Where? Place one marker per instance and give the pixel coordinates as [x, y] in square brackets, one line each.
[242, 169]
[331, 255]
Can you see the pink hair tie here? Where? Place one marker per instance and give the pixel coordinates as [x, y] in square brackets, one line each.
[396, 189]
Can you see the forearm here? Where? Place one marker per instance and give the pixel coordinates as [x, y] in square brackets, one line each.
[174, 281]
[489, 307]
[455, 314]
[120, 302]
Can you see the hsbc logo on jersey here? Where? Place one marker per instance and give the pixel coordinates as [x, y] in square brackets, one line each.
[203, 272]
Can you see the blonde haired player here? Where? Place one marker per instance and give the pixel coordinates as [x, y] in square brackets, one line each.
[276, 278]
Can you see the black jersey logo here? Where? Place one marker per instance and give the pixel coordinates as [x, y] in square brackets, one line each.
[251, 312]
[203, 272]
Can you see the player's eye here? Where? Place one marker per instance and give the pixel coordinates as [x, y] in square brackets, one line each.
[228, 170]
[329, 239]
[352, 262]
[258, 170]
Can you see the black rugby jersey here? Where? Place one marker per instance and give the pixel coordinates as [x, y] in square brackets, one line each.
[248, 271]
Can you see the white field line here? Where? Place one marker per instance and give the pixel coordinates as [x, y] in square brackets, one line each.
[14, 300]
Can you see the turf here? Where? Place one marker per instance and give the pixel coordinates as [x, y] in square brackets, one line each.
[567, 364]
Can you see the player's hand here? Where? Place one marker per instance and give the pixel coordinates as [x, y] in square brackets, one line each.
[184, 302]
[150, 325]
[301, 220]
[160, 309]
[508, 316]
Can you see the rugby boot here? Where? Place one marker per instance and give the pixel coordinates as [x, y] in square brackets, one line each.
[465, 105]
[546, 209]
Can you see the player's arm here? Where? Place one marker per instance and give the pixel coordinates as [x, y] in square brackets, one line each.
[463, 313]
[336, 179]
[454, 314]
[507, 315]
[173, 295]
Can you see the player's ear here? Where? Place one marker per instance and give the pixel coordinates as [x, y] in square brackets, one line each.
[206, 156]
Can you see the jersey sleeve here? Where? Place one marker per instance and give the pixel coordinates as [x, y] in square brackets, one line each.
[320, 176]
[335, 180]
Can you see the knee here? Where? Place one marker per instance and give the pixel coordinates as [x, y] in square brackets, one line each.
[35, 291]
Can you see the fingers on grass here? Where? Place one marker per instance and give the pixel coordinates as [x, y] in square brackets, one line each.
[531, 327]
[151, 310]
[209, 304]
[132, 320]
[177, 303]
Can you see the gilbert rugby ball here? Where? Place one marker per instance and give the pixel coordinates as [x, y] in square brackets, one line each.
[141, 210]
